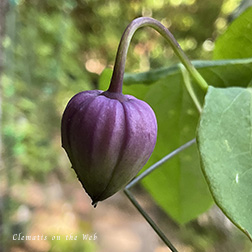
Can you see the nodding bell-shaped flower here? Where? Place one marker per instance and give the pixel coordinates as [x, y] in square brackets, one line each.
[108, 138]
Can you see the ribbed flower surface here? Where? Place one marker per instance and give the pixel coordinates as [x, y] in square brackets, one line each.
[108, 138]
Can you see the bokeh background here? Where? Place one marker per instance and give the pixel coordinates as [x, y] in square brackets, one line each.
[50, 50]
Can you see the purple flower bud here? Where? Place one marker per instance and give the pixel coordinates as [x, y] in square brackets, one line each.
[108, 138]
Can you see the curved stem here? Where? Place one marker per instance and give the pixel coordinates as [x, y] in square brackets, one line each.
[117, 77]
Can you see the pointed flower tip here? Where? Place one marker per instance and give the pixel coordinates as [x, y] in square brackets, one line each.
[94, 204]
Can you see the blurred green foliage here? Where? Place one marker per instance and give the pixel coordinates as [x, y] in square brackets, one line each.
[64, 245]
[42, 73]
[55, 49]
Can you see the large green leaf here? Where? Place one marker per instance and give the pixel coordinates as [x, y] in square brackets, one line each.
[179, 186]
[236, 41]
[225, 144]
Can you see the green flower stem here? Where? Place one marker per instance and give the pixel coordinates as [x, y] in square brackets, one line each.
[159, 163]
[189, 87]
[143, 175]
[117, 77]
[150, 221]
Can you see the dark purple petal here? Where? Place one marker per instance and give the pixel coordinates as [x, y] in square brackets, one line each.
[108, 138]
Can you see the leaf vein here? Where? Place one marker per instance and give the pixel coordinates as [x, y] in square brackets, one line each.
[230, 105]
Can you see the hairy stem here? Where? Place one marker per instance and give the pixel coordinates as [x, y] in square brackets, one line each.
[117, 77]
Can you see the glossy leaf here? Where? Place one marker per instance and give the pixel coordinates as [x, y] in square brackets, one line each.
[225, 144]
